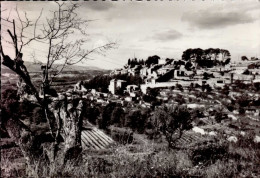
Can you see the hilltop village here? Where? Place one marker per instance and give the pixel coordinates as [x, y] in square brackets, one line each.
[167, 79]
[222, 91]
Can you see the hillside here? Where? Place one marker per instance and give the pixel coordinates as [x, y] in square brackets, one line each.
[69, 76]
[32, 67]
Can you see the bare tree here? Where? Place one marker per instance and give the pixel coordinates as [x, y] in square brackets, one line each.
[57, 32]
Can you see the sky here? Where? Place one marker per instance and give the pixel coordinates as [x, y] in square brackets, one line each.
[147, 28]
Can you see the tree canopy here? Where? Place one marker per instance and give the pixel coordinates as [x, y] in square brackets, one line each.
[172, 122]
[152, 60]
[206, 58]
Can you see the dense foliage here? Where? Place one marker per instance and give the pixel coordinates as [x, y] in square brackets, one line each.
[206, 58]
[152, 60]
[133, 62]
[172, 122]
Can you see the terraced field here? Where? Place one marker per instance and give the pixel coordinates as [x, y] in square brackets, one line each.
[187, 138]
[95, 139]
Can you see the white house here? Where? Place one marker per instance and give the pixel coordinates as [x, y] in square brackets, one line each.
[162, 61]
[114, 84]
[143, 72]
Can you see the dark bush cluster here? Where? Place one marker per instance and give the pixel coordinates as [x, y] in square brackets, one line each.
[209, 151]
[208, 57]
[121, 135]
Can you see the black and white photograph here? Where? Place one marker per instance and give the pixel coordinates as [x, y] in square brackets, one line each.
[130, 89]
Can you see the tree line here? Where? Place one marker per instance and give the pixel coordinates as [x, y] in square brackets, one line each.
[139, 62]
[206, 58]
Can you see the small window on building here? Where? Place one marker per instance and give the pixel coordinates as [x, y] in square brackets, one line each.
[220, 81]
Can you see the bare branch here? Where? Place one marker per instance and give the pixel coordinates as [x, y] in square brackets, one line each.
[56, 31]
[9, 14]
[6, 20]
[97, 49]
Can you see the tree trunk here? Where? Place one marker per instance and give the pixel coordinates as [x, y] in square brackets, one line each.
[36, 144]
[68, 116]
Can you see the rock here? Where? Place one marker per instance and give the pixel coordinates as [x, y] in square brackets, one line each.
[199, 130]
[235, 112]
[232, 139]
[234, 118]
[257, 139]
[213, 133]
[193, 106]
[227, 132]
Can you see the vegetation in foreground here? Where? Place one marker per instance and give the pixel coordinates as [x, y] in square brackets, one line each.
[206, 157]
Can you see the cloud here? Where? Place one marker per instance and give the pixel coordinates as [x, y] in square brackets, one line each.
[211, 20]
[98, 5]
[168, 35]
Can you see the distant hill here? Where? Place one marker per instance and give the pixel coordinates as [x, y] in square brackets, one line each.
[32, 67]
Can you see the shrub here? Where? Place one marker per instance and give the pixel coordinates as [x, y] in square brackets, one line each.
[243, 100]
[180, 99]
[221, 168]
[246, 72]
[9, 104]
[105, 121]
[219, 116]
[91, 114]
[198, 113]
[207, 152]
[247, 141]
[179, 86]
[121, 135]
[136, 121]
[230, 107]
[241, 110]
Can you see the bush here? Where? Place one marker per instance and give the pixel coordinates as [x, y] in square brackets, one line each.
[180, 99]
[219, 116]
[179, 86]
[247, 141]
[105, 120]
[230, 107]
[222, 168]
[136, 121]
[246, 72]
[243, 100]
[208, 152]
[198, 113]
[121, 135]
[241, 110]
[9, 105]
[91, 114]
